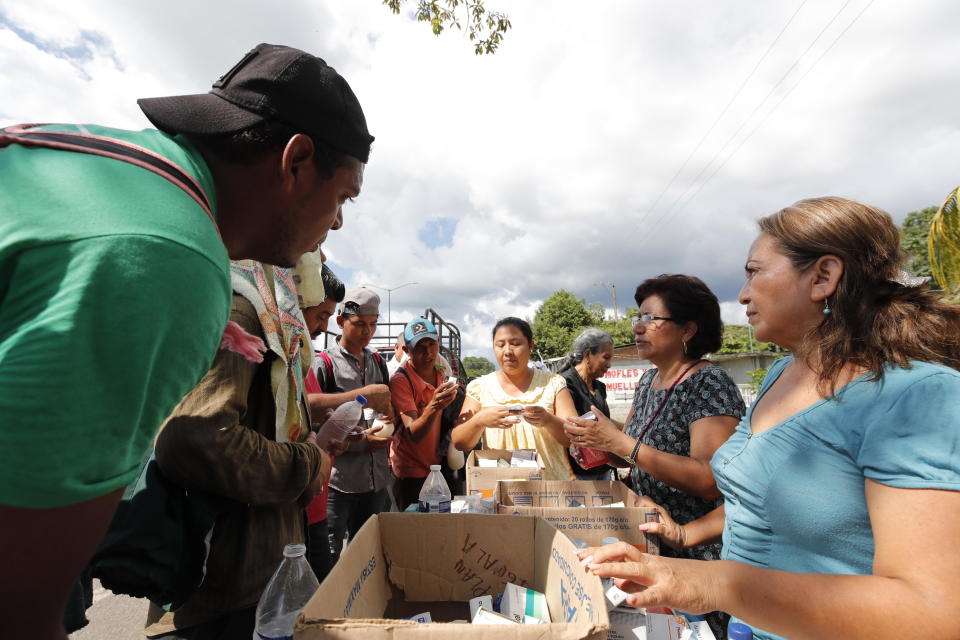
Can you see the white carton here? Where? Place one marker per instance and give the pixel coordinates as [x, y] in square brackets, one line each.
[487, 616]
[480, 601]
[520, 602]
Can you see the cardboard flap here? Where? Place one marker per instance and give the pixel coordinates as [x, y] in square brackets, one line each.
[408, 630]
[577, 509]
[463, 564]
[563, 494]
[365, 572]
[573, 594]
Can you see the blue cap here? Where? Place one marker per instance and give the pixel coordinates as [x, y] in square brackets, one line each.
[361, 399]
[739, 631]
[418, 329]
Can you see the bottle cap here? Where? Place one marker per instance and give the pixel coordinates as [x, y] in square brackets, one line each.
[361, 399]
[294, 550]
[434, 467]
[739, 631]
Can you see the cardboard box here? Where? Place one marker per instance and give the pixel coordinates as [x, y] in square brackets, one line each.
[401, 564]
[576, 509]
[483, 480]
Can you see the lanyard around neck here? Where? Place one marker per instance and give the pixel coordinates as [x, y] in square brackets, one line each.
[666, 397]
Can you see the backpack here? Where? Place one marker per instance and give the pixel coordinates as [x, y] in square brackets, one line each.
[157, 543]
[329, 378]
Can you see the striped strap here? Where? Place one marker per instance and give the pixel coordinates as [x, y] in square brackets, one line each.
[110, 148]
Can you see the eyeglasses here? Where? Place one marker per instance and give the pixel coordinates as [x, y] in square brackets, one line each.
[646, 319]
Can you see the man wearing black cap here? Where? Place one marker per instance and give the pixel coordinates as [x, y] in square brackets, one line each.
[114, 249]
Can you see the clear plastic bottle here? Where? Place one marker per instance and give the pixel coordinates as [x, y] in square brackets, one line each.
[292, 585]
[345, 419]
[739, 631]
[435, 494]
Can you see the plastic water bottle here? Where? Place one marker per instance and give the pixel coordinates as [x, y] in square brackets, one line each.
[292, 585]
[435, 494]
[739, 631]
[345, 419]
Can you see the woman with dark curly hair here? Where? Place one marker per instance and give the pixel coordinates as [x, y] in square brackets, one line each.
[683, 409]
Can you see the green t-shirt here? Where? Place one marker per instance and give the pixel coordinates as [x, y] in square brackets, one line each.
[114, 292]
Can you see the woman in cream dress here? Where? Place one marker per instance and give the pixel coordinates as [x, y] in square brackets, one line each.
[542, 397]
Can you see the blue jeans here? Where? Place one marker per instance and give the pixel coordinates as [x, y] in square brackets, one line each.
[346, 513]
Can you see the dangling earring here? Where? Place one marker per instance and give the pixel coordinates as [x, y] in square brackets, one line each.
[684, 347]
[826, 307]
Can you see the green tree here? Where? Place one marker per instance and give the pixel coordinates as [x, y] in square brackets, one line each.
[598, 312]
[484, 28]
[737, 339]
[914, 240]
[620, 330]
[477, 366]
[558, 321]
[757, 377]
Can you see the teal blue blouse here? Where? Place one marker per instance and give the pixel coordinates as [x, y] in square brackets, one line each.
[794, 494]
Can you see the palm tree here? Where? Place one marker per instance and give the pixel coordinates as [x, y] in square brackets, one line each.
[944, 245]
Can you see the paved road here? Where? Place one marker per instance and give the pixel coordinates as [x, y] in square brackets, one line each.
[113, 617]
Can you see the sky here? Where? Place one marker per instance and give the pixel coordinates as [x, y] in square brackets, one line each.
[604, 143]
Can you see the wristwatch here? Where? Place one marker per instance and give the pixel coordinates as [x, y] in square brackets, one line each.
[632, 460]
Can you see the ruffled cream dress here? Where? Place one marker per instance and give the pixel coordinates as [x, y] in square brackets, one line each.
[543, 391]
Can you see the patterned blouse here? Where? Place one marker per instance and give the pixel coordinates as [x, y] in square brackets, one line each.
[708, 392]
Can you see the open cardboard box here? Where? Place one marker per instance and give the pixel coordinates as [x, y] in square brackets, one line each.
[402, 564]
[483, 480]
[559, 503]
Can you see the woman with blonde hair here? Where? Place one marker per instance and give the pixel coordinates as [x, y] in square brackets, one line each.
[842, 482]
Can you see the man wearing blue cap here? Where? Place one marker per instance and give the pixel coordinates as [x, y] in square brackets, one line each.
[419, 393]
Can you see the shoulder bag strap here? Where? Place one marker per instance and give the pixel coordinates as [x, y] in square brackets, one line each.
[110, 148]
[666, 397]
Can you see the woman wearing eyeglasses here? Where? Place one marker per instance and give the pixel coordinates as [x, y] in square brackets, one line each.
[842, 484]
[683, 409]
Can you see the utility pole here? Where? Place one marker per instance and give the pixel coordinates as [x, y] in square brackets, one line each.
[390, 290]
[612, 288]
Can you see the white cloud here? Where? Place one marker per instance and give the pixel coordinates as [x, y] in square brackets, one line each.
[550, 153]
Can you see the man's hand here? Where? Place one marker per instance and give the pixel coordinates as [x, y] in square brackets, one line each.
[443, 396]
[378, 398]
[376, 442]
[336, 447]
[316, 485]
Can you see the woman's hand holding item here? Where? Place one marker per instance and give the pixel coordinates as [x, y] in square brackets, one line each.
[602, 434]
[693, 586]
[538, 416]
[670, 533]
[496, 418]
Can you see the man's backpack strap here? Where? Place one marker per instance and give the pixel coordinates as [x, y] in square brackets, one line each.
[384, 372]
[110, 148]
[329, 382]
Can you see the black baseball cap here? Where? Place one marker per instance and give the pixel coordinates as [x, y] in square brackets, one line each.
[271, 82]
